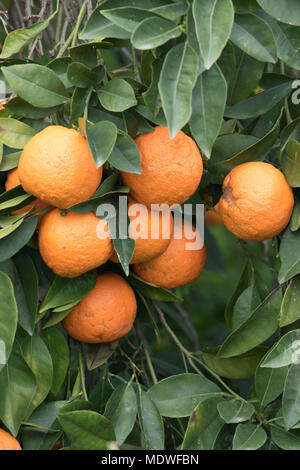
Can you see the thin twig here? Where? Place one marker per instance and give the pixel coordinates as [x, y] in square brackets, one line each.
[184, 315]
[147, 355]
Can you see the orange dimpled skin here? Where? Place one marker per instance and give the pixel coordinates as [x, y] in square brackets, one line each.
[11, 182]
[177, 266]
[171, 168]
[69, 243]
[105, 314]
[57, 167]
[8, 442]
[147, 245]
[257, 202]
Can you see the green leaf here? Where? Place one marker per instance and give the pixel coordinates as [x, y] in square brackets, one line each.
[289, 249]
[18, 386]
[235, 411]
[291, 163]
[286, 11]
[150, 421]
[213, 22]
[260, 326]
[285, 352]
[249, 437]
[60, 65]
[269, 383]
[153, 292]
[257, 149]
[100, 27]
[204, 426]
[239, 367]
[117, 95]
[291, 396]
[22, 108]
[177, 396]
[10, 161]
[125, 155]
[87, 430]
[209, 100]
[287, 440]
[15, 133]
[20, 38]
[260, 103]
[64, 290]
[98, 354]
[8, 318]
[38, 358]
[38, 85]
[153, 32]
[290, 307]
[128, 18]
[121, 410]
[26, 291]
[245, 304]
[86, 53]
[254, 36]
[11, 244]
[59, 351]
[81, 76]
[177, 80]
[101, 138]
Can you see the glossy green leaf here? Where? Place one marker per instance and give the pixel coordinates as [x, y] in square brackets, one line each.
[15, 133]
[269, 383]
[287, 440]
[204, 426]
[8, 318]
[10, 161]
[260, 326]
[60, 65]
[60, 355]
[125, 155]
[38, 85]
[285, 352]
[254, 36]
[177, 80]
[87, 430]
[245, 304]
[153, 32]
[213, 22]
[153, 292]
[150, 421]
[209, 100]
[235, 411]
[101, 138]
[117, 95]
[291, 162]
[64, 290]
[81, 76]
[100, 27]
[289, 249]
[291, 396]
[286, 11]
[98, 354]
[178, 395]
[127, 17]
[22, 108]
[249, 437]
[290, 307]
[121, 410]
[11, 244]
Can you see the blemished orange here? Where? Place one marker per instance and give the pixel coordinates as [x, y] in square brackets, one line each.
[142, 220]
[8, 442]
[257, 202]
[57, 167]
[69, 243]
[212, 216]
[11, 182]
[171, 169]
[178, 265]
[105, 314]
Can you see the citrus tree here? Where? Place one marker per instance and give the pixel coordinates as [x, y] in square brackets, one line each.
[89, 89]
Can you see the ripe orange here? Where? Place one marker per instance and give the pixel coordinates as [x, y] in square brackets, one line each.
[8, 442]
[105, 314]
[11, 182]
[257, 201]
[212, 216]
[178, 265]
[171, 168]
[69, 243]
[142, 220]
[57, 167]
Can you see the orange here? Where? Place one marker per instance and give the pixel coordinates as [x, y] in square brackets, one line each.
[142, 220]
[171, 168]
[105, 314]
[8, 442]
[69, 243]
[257, 202]
[57, 167]
[212, 216]
[11, 182]
[178, 265]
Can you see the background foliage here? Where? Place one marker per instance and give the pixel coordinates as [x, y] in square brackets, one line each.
[185, 378]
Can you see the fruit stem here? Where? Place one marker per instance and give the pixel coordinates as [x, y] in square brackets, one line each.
[81, 368]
